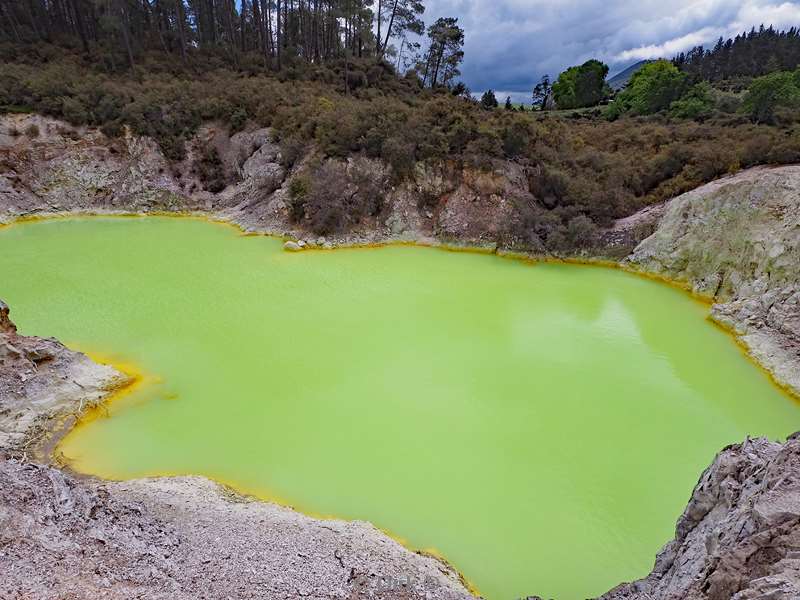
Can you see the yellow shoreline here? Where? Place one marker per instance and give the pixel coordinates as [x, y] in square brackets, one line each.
[517, 256]
[139, 379]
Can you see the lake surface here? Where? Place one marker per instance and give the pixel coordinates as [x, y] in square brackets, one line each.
[541, 426]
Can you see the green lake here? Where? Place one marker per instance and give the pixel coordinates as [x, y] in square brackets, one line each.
[539, 425]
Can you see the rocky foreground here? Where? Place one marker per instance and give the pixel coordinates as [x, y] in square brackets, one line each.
[735, 241]
[739, 537]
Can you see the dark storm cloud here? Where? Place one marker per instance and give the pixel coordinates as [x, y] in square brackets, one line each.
[511, 43]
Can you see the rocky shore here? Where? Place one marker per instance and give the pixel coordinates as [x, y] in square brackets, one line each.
[63, 536]
[735, 241]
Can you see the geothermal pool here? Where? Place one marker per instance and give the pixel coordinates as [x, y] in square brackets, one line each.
[540, 426]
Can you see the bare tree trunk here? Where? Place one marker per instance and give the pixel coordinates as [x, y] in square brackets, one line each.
[181, 35]
[243, 25]
[10, 19]
[79, 26]
[257, 25]
[278, 36]
[229, 9]
[382, 49]
[123, 17]
[213, 21]
[270, 41]
[378, 34]
[33, 19]
[400, 54]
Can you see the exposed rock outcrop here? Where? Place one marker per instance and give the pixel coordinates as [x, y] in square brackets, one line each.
[739, 537]
[189, 538]
[242, 178]
[41, 380]
[737, 240]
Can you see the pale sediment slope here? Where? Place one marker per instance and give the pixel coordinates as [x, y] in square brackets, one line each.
[737, 240]
[40, 379]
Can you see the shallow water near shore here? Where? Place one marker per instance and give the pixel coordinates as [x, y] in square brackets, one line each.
[540, 426]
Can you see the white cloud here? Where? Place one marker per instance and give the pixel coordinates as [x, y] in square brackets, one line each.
[511, 43]
[670, 47]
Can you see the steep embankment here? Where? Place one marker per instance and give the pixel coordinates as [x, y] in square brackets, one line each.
[735, 240]
[40, 378]
[739, 537]
[65, 169]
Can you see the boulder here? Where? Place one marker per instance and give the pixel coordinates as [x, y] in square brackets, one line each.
[292, 246]
[6, 325]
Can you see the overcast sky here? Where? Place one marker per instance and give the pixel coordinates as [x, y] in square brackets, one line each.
[510, 44]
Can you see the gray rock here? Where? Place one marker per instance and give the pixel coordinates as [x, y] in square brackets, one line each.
[6, 325]
[739, 535]
[737, 241]
[292, 246]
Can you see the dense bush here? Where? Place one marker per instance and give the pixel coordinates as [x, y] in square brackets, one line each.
[652, 88]
[697, 103]
[332, 198]
[586, 167]
[770, 94]
[581, 86]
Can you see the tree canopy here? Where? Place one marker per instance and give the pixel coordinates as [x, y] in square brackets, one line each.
[489, 100]
[652, 88]
[759, 52]
[581, 86]
[542, 93]
[769, 94]
[445, 52]
[230, 34]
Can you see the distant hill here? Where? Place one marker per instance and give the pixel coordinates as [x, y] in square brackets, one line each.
[620, 80]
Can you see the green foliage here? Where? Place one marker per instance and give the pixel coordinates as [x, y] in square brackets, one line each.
[769, 94]
[333, 198]
[753, 54]
[299, 187]
[582, 86]
[516, 138]
[697, 103]
[652, 88]
[489, 100]
[575, 167]
[542, 93]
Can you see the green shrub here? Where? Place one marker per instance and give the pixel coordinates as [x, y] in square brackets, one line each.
[74, 112]
[697, 103]
[400, 155]
[298, 192]
[652, 88]
[581, 86]
[770, 93]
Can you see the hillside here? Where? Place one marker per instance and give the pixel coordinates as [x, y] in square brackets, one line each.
[621, 79]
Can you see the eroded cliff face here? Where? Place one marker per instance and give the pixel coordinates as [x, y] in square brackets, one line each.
[67, 169]
[737, 241]
[40, 381]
